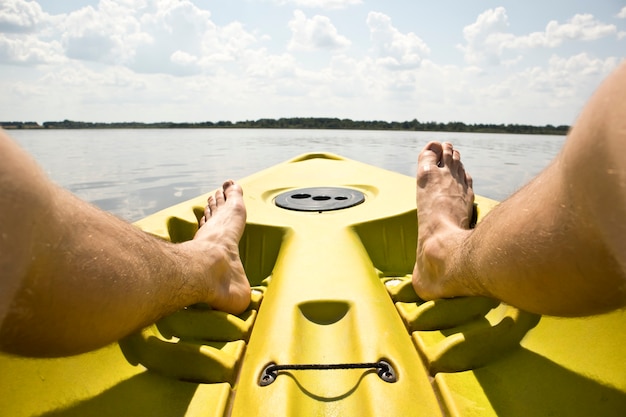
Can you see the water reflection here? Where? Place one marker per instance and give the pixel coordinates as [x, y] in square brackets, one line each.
[133, 173]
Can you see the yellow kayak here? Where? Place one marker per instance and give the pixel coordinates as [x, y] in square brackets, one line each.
[334, 327]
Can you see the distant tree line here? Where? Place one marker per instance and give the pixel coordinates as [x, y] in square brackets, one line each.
[20, 125]
[305, 123]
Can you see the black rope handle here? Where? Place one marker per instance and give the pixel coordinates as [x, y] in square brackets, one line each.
[270, 373]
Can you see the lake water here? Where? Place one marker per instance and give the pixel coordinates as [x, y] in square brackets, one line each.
[133, 173]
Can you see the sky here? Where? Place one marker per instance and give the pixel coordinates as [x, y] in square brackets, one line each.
[521, 62]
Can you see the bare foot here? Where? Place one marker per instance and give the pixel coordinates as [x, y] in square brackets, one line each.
[444, 208]
[220, 230]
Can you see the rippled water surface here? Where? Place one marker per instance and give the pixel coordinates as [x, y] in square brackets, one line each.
[133, 173]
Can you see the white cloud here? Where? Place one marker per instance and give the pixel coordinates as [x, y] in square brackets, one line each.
[185, 36]
[483, 37]
[622, 13]
[271, 67]
[581, 65]
[153, 36]
[181, 17]
[183, 58]
[20, 16]
[322, 4]
[28, 50]
[562, 83]
[393, 48]
[110, 33]
[315, 33]
[26, 34]
[228, 43]
[79, 78]
[544, 94]
[582, 27]
[488, 37]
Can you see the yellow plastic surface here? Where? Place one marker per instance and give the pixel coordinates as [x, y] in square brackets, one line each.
[325, 302]
[331, 288]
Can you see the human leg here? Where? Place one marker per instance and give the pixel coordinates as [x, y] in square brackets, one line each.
[554, 247]
[74, 278]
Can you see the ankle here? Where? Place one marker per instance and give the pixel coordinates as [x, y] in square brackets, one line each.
[440, 265]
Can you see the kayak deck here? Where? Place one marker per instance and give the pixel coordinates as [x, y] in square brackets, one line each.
[332, 288]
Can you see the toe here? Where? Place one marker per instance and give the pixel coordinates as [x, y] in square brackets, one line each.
[219, 198]
[232, 190]
[447, 154]
[211, 207]
[227, 184]
[468, 180]
[207, 213]
[430, 156]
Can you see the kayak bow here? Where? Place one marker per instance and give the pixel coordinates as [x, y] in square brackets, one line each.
[334, 326]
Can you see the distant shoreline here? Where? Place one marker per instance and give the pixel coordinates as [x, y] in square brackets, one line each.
[305, 123]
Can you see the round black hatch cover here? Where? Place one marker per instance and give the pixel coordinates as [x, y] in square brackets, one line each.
[319, 199]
